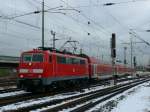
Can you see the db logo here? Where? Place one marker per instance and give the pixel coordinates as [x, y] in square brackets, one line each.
[30, 71]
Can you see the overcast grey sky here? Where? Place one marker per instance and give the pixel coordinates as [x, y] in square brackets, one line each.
[24, 33]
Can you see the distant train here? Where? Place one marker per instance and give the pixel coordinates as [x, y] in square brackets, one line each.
[40, 68]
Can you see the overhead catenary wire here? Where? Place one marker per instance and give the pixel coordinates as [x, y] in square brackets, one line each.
[35, 12]
[113, 16]
[106, 32]
[125, 2]
[101, 28]
[24, 24]
[128, 29]
[70, 16]
[88, 19]
[117, 21]
[108, 3]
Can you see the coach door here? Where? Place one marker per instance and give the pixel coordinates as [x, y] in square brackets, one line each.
[95, 70]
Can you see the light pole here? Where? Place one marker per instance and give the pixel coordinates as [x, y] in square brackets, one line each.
[43, 24]
[131, 50]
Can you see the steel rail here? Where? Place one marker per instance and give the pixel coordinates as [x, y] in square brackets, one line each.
[57, 101]
[79, 100]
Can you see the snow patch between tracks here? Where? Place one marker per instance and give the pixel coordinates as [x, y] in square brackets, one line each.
[133, 100]
[12, 94]
[27, 103]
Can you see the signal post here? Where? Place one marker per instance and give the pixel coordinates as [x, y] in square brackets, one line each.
[113, 56]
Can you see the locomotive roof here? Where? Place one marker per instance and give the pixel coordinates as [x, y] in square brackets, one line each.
[61, 53]
[66, 53]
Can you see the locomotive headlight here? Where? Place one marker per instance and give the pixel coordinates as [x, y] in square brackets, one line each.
[21, 76]
[23, 70]
[37, 70]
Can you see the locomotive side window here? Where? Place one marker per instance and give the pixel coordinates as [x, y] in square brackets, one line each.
[75, 61]
[61, 60]
[69, 60]
[72, 61]
[82, 62]
[37, 58]
[27, 57]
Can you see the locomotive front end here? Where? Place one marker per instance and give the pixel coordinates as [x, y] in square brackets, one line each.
[31, 69]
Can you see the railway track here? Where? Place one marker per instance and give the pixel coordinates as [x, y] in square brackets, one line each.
[12, 82]
[105, 96]
[28, 96]
[7, 79]
[22, 97]
[9, 90]
[87, 102]
[75, 100]
[8, 83]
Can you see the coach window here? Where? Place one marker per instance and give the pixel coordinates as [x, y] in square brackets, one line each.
[82, 62]
[61, 60]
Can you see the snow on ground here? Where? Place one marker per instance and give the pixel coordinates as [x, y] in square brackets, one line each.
[12, 94]
[51, 98]
[15, 106]
[46, 99]
[138, 102]
[70, 109]
[93, 100]
[136, 99]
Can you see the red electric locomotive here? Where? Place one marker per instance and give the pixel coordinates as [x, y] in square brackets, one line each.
[40, 68]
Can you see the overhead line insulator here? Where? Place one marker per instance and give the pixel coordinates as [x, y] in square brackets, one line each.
[108, 4]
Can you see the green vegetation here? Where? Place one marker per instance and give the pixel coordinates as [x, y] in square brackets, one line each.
[4, 72]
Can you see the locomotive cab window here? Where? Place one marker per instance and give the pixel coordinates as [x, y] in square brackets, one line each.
[37, 58]
[27, 57]
[33, 57]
